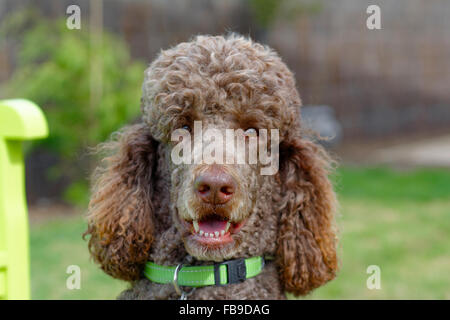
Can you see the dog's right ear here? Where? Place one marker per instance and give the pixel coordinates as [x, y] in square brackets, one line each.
[120, 217]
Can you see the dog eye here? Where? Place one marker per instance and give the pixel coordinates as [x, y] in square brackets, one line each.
[251, 132]
[186, 127]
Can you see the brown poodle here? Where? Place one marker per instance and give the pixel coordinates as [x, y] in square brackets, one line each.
[146, 208]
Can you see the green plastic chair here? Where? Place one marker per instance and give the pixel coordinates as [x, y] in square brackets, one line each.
[19, 120]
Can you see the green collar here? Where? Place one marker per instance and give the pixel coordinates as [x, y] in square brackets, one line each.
[227, 272]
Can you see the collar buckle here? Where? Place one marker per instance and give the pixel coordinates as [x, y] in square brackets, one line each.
[183, 294]
[236, 271]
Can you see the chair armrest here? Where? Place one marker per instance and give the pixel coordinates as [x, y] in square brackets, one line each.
[21, 119]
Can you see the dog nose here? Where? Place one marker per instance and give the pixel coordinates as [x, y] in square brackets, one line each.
[215, 186]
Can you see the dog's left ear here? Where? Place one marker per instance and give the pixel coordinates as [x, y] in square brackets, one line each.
[306, 249]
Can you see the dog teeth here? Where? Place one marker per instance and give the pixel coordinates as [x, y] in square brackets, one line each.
[214, 234]
[195, 224]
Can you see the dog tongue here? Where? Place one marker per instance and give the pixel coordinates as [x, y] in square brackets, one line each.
[212, 225]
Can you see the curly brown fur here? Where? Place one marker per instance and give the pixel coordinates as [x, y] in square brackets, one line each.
[122, 231]
[143, 203]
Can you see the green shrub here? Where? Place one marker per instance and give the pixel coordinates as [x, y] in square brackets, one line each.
[266, 11]
[53, 69]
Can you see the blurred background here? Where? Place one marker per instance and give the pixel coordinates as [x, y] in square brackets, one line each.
[382, 96]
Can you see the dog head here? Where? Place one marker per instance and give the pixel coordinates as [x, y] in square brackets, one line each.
[223, 204]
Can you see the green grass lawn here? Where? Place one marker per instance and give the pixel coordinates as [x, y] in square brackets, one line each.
[397, 220]
[55, 246]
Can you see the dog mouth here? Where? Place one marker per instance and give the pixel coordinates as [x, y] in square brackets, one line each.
[214, 229]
